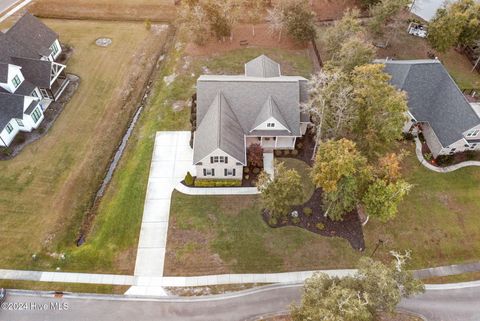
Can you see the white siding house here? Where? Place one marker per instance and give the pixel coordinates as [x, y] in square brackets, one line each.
[30, 79]
[233, 112]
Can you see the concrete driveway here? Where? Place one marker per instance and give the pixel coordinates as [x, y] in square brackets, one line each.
[171, 160]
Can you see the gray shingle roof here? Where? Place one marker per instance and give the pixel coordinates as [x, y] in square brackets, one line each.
[262, 66]
[230, 107]
[269, 110]
[33, 34]
[219, 130]
[247, 95]
[433, 97]
[3, 72]
[36, 71]
[11, 106]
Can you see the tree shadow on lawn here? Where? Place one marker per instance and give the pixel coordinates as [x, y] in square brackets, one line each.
[349, 228]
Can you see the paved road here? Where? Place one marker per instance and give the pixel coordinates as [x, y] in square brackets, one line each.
[435, 305]
[447, 305]
[5, 4]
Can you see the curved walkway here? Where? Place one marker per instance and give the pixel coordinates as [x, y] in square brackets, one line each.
[216, 190]
[447, 169]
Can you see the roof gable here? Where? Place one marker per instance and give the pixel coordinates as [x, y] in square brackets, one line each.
[36, 71]
[262, 66]
[11, 106]
[33, 34]
[219, 129]
[434, 97]
[268, 111]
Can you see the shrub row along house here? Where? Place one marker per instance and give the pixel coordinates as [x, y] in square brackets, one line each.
[233, 112]
[437, 107]
[30, 79]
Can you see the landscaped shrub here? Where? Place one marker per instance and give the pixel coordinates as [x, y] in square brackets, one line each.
[217, 183]
[428, 156]
[445, 160]
[246, 170]
[272, 221]
[247, 176]
[286, 152]
[255, 155]
[295, 220]
[307, 211]
[256, 170]
[294, 152]
[408, 136]
[421, 137]
[189, 179]
[299, 146]
[278, 153]
[320, 226]
[471, 155]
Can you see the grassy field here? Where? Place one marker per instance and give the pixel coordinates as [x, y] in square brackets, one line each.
[438, 221]
[48, 187]
[140, 10]
[64, 287]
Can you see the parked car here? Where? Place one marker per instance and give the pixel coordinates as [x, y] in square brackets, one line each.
[3, 295]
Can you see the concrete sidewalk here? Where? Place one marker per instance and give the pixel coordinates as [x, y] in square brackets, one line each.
[151, 285]
[172, 158]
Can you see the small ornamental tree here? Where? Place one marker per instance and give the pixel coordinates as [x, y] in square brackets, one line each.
[255, 155]
[383, 11]
[382, 198]
[355, 51]
[300, 21]
[336, 160]
[456, 24]
[342, 30]
[376, 287]
[282, 191]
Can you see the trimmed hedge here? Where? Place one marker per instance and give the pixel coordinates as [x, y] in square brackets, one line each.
[217, 183]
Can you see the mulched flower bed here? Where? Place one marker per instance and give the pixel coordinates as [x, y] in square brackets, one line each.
[304, 147]
[448, 160]
[349, 228]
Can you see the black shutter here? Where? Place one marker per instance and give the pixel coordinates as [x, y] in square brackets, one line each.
[204, 172]
[226, 160]
[234, 172]
[213, 172]
[225, 170]
[211, 159]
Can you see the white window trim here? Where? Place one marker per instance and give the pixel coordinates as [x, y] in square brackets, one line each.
[473, 133]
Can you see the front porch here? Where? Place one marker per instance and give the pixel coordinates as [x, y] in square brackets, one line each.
[270, 143]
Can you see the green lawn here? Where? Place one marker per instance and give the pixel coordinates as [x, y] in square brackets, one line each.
[218, 234]
[438, 221]
[47, 189]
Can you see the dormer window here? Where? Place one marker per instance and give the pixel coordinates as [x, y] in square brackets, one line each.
[270, 125]
[473, 133]
[54, 48]
[16, 81]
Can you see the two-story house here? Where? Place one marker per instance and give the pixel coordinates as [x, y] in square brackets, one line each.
[30, 79]
[262, 106]
[448, 121]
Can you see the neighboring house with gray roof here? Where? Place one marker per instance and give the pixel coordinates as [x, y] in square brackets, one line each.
[30, 78]
[436, 105]
[233, 112]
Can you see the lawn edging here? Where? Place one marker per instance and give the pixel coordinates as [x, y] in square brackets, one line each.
[447, 169]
